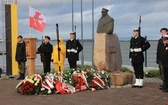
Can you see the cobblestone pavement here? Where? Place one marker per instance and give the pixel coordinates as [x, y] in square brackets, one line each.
[149, 95]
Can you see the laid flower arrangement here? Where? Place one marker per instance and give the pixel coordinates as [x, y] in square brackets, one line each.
[30, 85]
[70, 81]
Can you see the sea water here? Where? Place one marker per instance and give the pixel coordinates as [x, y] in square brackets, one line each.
[87, 51]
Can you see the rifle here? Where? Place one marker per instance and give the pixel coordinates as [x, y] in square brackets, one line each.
[57, 32]
[139, 28]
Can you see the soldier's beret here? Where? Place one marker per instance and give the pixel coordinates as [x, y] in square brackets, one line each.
[104, 10]
[47, 37]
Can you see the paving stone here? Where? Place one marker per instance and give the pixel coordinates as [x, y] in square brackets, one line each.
[149, 95]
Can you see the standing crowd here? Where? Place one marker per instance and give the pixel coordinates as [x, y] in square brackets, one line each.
[48, 53]
[138, 45]
[71, 50]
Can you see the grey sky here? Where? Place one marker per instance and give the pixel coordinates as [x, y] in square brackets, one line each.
[125, 13]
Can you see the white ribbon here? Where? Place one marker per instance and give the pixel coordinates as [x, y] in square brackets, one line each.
[101, 84]
[84, 78]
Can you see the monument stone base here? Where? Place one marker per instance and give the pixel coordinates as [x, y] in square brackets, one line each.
[107, 53]
[121, 79]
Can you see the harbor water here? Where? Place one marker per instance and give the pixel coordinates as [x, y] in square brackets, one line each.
[87, 51]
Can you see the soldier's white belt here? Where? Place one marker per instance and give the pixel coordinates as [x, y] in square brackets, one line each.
[135, 50]
[72, 50]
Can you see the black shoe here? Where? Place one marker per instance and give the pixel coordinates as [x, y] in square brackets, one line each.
[134, 86]
[165, 90]
[140, 86]
[18, 78]
[22, 76]
[161, 86]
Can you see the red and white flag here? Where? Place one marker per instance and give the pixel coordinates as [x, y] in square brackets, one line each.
[36, 19]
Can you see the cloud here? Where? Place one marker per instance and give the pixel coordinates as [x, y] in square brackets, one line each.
[125, 13]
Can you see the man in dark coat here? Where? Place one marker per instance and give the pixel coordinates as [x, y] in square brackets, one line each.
[45, 51]
[138, 45]
[21, 57]
[160, 46]
[106, 23]
[164, 62]
[73, 47]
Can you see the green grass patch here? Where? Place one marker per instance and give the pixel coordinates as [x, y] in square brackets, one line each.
[125, 69]
[152, 74]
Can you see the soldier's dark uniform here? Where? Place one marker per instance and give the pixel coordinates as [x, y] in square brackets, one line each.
[73, 47]
[137, 47]
[45, 51]
[164, 62]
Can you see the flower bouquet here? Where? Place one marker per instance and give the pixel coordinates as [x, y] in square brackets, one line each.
[70, 81]
[30, 85]
[80, 81]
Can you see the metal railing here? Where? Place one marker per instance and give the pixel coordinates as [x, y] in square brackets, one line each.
[150, 55]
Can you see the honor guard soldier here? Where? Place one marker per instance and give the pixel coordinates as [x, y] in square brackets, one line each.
[138, 45]
[45, 51]
[164, 61]
[73, 47]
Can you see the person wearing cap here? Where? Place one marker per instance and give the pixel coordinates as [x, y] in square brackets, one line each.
[106, 23]
[45, 51]
[59, 62]
[138, 45]
[73, 47]
[164, 62]
[160, 45]
[20, 57]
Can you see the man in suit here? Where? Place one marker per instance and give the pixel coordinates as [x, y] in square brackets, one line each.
[73, 47]
[164, 60]
[45, 51]
[21, 57]
[138, 45]
[163, 31]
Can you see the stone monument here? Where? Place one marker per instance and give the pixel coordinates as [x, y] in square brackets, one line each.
[107, 53]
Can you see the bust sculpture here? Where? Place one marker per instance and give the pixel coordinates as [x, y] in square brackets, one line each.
[106, 23]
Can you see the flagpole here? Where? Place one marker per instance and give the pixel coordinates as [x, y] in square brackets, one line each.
[82, 55]
[30, 30]
[72, 15]
[3, 33]
[15, 2]
[92, 33]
